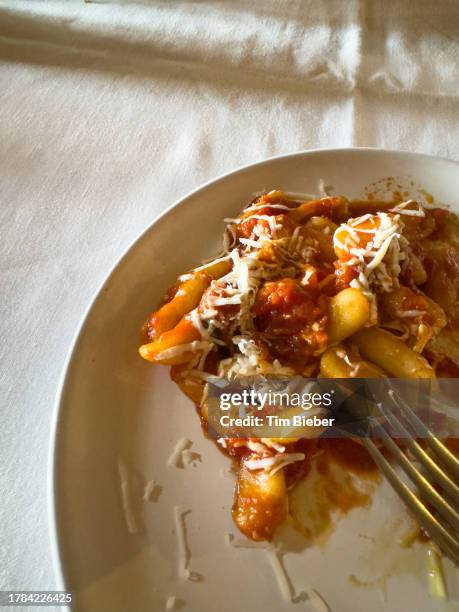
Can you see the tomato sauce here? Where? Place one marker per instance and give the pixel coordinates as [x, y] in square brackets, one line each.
[347, 454]
[293, 317]
[344, 274]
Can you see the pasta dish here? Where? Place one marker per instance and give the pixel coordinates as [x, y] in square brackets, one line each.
[313, 287]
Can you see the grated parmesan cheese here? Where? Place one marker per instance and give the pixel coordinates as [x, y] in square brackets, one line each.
[184, 554]
[360, 220]
[324, 190]
[152, 491]
[185, 277]
[306, 277]
[126, 497]
[411, 313]
[283, 580]
[273, 206]
[231, 541]
[286, 587]
[270, 219]
[256, 244]
[171, 603]
[280, 574]
[401, 209]
[275, 463]
[192, 347]
[280, 448]
[175, 459]
[378, 263]
[235, 299]
[190, 457]
[249, 362]
[256, 447]
[317, 601]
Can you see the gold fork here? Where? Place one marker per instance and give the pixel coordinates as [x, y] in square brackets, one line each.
[439, 466]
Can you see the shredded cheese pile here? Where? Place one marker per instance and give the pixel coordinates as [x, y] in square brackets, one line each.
[249, 362]
[379, 261]
[239, 288]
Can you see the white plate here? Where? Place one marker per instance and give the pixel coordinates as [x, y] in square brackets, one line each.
[115, 405]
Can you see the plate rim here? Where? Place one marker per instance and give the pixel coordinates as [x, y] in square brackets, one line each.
[57, 410]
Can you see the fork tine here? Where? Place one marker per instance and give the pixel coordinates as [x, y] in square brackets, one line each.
[426, 519]
[437, 447]
[426, 461]
[425, 488]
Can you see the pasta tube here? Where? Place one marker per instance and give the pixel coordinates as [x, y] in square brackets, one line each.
[332, 206]
[349, 311]
[260, 503]
[333, 364]
[162, 350]
[187, 297]
[391, 354]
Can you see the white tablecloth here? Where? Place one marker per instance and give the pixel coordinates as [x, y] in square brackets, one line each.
[111, 110]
